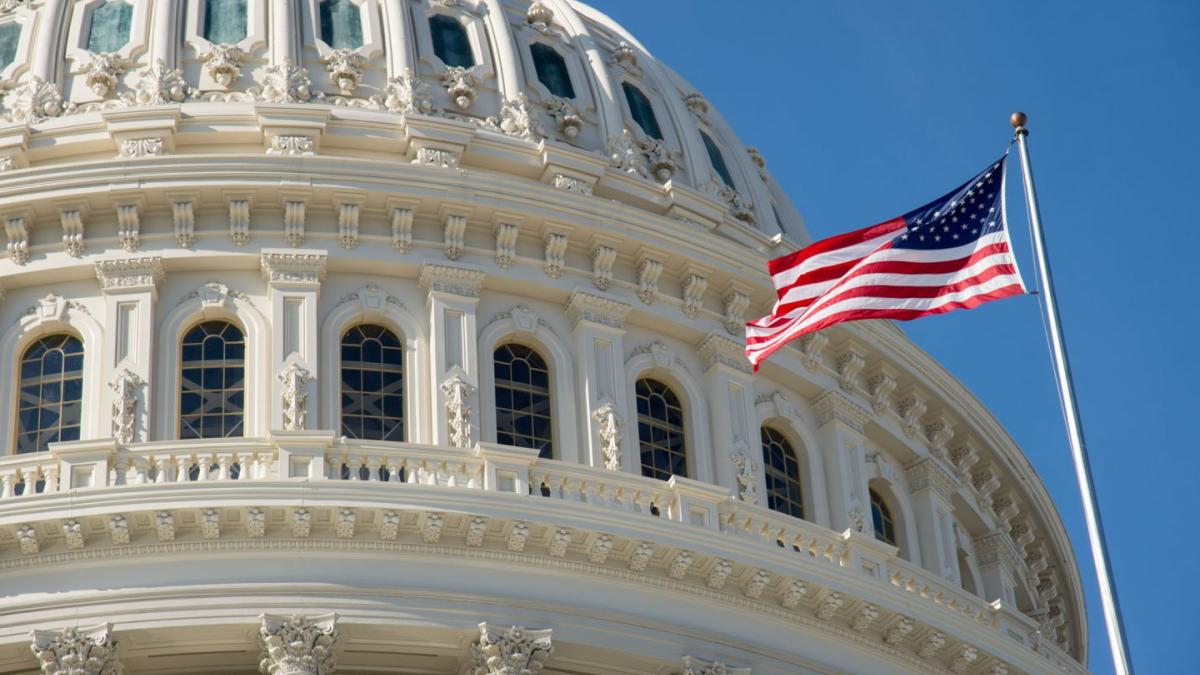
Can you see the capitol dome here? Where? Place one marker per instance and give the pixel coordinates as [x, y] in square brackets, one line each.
[405, 336]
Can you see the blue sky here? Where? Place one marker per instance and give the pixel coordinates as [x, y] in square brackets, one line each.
[865, 109]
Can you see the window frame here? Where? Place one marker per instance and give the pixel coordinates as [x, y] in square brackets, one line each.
[533, 47]
[683, 425]
[874, 495]
[551, 393]
[19, 382]
[789, 447]
[247, 391]
[22, 56]
[256, 32]
[372, 31]
[627, 109]
[77, 52]
[406, 391]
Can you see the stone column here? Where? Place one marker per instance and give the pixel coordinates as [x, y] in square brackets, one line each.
[398, 37]
[605, 439]
[51, 22]
[284, 19]
[932, 487]
[298, 645]
[453, 351]
[506, 59]
[840, 432]
[163, 33]
[515, 650]
[76, 650]
[130, 290]
[998, 560]
[293, 279]
[729, 383]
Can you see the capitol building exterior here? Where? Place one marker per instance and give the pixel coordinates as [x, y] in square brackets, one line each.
[405, 336]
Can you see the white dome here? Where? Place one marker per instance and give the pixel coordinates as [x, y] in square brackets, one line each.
[427, 314]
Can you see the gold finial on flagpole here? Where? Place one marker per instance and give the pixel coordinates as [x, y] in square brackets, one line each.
[1018, 119]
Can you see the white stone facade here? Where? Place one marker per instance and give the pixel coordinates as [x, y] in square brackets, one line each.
[297, 190]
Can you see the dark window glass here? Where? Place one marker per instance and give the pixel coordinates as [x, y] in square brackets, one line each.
[523, 413]
[881, 517]
[640, 108]
[341, 24]
[552, 70]
[450, 41]
[224, 21]
[716, 159]
[660, 430]
[108, 30]
[782, 472]
[372, 384]
[49, 405]
[10, 37]
[212, 383]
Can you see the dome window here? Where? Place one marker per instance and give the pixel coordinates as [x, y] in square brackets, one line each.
[642, 111]
[552, 70]
[225, 21]
[341, 24]
[10, 38]
[51, 393]
[523, 399]
[782, 471]
[660, 430]
[372, 384]
[450, 42]
[881, 518]
[108, 29]
[716, 159]
[212, 391]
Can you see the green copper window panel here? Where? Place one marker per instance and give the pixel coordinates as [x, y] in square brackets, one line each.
[50, 401]
[224, 21]
[523, 399]
[10, 37]
[782, 471]
[212, 391]
[716, 159]
[108, 29]
[552, 70]
[642, 111]
[660, 430]
[341, 24]
[450, 41]
[372, 384]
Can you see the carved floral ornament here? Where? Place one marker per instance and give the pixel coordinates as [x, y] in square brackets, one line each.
[76, 651]
[298, 645]
[513, 651]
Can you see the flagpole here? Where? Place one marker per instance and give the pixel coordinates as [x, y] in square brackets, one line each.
[1066, 389]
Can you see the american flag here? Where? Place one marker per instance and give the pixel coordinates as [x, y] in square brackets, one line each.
[952, 253]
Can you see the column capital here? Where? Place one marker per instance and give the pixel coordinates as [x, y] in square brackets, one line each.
[928, 473]
[718, 350]
[515, 650]
[452, 279]
[60, 652]
[834, 405]
[127, 274]
[293, 268]
[997, 547]
[695, 666]
[584, 306]
[297, 644]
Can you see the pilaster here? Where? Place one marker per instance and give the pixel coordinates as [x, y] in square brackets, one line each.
[729, 383]
[598, 334]
[932, 488]
[76, 650]
[840, 424]
[516, 649]
[454, 360]
[293, 279]
[998, 560]
[129, 285]
[298, 645]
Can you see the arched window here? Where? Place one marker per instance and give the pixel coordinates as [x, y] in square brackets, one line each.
[108, 30]
[660, 430]
[10, 38]
[450, 41]
[642, 111]
[224, 21]
[372, 384]
[782, 471]
[523, 399]
[212, 383]
[716, 159]
[552, 70]
[341, 24]
[881, 518]
[51, 394]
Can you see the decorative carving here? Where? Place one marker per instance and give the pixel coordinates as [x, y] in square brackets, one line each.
[865, 617]
[517, 120]
[118, 530]
[76, 651]
[719, 573]
[849, 364]
[223, 63]
[624, 155]
[402, 229]
[389, 526]
[736, 303]
[857, 520]
[572, 184]
[928, 474]
[164, 526]
[239, 221]
[912, 408]
[694, 666]
[28, 539]
[515, 651]
[661, 162]
[693, 294]
[759, 161]
[297, 645]
[446, 159]
[830, 605]
[256, 522]
[345, 67]
[159, 84]
[18, 239]
[747, 478]
[406, 94]
[431, 527]
[184, 217]
[475, 531]
[641, 556]
[811, 347]
[998, 668]
[719, 350]
[603, 258]
[517, 536]
[899, 630]
[582, 306]
[285, 83]
[625, 57]
[458, 411]
[454, 232]
[939, 432]
[343, 527]
[293, 222]
[566, 116]
[931, 645]
[506, 244]
[210, 524]
[796, 590]
[754, 588]
[348, 224]
[601, 546]
[286, 267]
[880, 386]
[101, 73]
[34, 100]
[461, 281]
[295, 378]
[7, 6]
[73, 534]
[460, 84]
[608, 429]
[678, 568]
[125, 385]
[556, 248]
[963, 659]
[129, 273]
[835, 406]
[648, 273]
[138, 148]
[301, 523]
[539, 17]
[739, 208]
[559, 541]
[291, 144]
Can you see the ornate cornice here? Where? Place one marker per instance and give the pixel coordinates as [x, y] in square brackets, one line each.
[452, 279]
[834, 405]
[928, 473]
[129, 274]
[583, 306]
[717, 350]
[293, 267]
[997, 547]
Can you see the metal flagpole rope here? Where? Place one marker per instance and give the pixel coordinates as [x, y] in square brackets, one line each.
[1066, 390]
